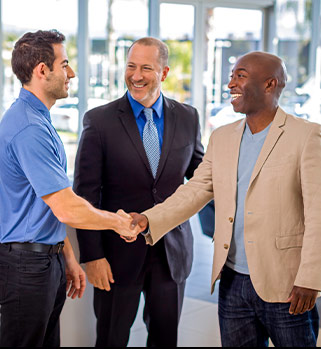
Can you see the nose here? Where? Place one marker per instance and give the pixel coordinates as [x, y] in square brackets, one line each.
[71, 74]
[137, 75]
[231, 84]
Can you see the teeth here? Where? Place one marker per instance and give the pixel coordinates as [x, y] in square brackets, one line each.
[234, 96]
[138, 86]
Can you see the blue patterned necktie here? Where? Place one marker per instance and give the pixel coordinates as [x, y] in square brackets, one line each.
[151, 141]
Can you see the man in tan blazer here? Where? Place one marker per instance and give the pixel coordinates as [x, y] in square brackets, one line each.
[264, 173]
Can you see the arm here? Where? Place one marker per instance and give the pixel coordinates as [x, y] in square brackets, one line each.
[184, 203]
[308, 279]
[76, 279]
[78, 213]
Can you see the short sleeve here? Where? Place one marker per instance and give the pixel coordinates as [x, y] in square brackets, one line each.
[36, 154]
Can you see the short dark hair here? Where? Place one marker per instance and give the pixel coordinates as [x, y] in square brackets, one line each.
[33, 48]
[162, 48]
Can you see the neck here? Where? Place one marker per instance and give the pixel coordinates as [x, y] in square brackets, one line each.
[260, 121]
[48, 102]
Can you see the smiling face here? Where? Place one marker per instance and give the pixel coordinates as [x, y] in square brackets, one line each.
[58, 79]
[256, 82]
[144, 74]
[247, 86]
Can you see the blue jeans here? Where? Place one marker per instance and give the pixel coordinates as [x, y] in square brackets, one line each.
[247, 321]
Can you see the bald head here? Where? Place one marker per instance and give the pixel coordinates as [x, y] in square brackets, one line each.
[268, 66]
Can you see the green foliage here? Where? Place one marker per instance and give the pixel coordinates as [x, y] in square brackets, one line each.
[178, 82]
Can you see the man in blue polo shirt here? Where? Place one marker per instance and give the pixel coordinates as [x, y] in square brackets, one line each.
[37, 263]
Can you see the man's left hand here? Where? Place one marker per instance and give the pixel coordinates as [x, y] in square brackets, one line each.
[302, 300]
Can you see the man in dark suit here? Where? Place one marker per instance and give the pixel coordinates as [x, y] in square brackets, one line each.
[120, 164]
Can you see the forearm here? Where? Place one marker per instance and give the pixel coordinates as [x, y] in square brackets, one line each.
[82, 215]
[79, 213]
[68, 251]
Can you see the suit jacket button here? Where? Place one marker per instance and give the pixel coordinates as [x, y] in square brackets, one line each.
[226, 246]
[154, 191]
[231, 219]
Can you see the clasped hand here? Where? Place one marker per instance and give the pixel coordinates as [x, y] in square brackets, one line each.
[137, 223]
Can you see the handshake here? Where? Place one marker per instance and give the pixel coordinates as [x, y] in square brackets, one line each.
[130, 225]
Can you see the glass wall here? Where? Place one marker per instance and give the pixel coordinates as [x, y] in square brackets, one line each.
[113, 26]
[213, 45]
[177, 30]
[21, 16]
[224, 44]
[301, 96]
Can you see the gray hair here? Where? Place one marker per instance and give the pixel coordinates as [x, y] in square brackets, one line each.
[162, 48]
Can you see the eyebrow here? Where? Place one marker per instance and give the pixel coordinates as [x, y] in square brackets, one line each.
[239, 69]
[65, 61]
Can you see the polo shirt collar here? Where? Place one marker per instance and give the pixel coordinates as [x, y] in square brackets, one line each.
[138, 108]
[35, 102]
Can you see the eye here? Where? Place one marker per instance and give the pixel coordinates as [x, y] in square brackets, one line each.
[147, 68]
[130, 66]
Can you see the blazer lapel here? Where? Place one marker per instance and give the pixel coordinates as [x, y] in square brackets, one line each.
[127, 118]
[170, 118]
[235, 152]
[270, 142]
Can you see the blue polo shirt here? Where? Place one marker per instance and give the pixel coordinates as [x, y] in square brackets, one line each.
[32, 164]
[158, 116]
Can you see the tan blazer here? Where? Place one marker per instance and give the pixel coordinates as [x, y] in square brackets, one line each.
[282, 212]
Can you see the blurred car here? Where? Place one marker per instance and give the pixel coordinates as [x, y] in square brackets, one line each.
[65, 115]
[222, 115]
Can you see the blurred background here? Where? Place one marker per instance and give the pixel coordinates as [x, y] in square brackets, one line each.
[205, 39]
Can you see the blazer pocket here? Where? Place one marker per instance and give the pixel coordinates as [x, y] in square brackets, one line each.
[283, 161]
[292, 241]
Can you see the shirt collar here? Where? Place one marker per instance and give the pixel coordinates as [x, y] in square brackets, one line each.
[35, 102]
[138, 108]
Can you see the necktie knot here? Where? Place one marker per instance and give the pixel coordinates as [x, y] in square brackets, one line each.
[148, 114]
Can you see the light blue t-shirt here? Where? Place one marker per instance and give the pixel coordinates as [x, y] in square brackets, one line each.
[32, 164]
[250, 149]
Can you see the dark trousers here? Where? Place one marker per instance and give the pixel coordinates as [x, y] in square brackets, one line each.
[116, 310]
[247, 321]
[32, 294]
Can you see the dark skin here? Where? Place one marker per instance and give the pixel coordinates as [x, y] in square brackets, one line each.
[256, 83]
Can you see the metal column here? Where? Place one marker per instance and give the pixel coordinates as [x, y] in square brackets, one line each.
[83, 60]
[153, 18]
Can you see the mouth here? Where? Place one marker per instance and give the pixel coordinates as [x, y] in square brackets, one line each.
[138, 86]
[235, 96]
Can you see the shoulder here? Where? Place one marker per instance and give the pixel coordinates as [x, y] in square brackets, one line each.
[20, 118]
[299, 126]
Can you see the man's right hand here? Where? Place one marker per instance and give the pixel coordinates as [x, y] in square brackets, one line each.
[139, 220]
[99, 274]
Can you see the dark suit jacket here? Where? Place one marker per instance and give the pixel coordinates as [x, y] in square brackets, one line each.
[112, 172]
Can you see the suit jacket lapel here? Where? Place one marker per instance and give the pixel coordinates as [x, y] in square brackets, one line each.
[127, 118]
[270, 142]
[235, 152]
[170, 118]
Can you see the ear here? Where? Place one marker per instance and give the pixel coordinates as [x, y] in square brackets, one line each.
[41, 71]
[271, 85]
[165, 72]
